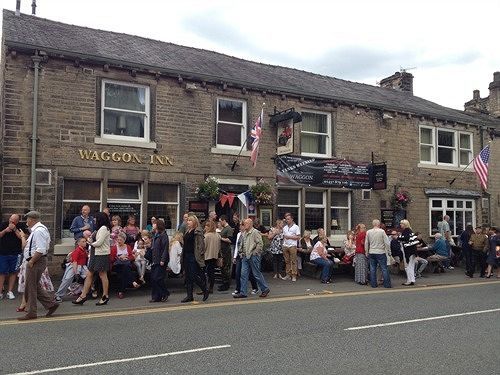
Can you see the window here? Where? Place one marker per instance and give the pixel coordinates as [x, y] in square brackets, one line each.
[340, 212]
[163, 202]
[315, 134]
[124, 200]
[314, 210]
[445, 147]
[125, 111]
[231, 123]
[76, 194]
[288, 201]
[460, 211]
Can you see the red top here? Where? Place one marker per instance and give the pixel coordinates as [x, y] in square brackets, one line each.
[360, 243]
[79, 256]
[114, 251]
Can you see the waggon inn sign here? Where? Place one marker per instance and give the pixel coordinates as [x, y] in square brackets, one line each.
[125, 157]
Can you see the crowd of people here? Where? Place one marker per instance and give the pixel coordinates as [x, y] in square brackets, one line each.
[197, 250]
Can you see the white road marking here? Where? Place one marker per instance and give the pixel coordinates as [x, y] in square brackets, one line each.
[421, 320]
[121, 360]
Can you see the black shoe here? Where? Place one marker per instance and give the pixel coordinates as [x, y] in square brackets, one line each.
[79, 301]
[187, 299]
[205, 294]
[408, 284]
[239, 295]
[104, 301]
[470, 274]
[164, 299]
[223, 288]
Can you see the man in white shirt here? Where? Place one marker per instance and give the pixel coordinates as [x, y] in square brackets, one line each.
[291, 234]
[35, 254]
[376, 247]
[444, 225]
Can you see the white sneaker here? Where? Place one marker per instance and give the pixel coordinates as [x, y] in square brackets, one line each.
[10, 295]
[287, 277]
[235, 293]
[254, 291]
[294, 279]
[451, 268]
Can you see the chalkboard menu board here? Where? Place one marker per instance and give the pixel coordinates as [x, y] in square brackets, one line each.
[378, 176]
[391, 218]
[200, 209]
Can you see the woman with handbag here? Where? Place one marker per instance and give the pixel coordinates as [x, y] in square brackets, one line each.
[193, 259]
[122, 257]
[99, 259]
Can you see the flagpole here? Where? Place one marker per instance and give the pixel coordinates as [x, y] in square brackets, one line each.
[246, 139]
[462, 171]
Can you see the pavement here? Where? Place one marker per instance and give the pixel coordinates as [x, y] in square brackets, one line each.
[304, 286]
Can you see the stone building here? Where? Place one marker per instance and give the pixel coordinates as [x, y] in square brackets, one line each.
[134, 124]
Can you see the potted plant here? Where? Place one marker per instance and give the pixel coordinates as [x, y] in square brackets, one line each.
[208, 189]
[263, 193]
[401, 199]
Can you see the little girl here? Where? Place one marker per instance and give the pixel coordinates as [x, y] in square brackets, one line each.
[140, 261]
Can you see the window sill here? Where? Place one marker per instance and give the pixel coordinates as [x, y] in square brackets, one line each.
[318, 156]
[445, 167]
[116, 142]
[226, 151]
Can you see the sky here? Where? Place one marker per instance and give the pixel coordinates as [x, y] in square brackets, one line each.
[450, 47]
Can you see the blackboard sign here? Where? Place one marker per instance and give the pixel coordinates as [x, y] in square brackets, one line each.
[378, 176]
[391, 218]
[200, 209]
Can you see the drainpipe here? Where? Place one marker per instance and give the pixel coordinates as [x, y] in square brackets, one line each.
[34, 136]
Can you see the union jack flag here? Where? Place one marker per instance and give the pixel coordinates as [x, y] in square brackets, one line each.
[480, 164]
[255, 134]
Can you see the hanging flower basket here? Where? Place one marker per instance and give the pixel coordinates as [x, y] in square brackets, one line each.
[263, 193]
[208, 190]
[401, 199]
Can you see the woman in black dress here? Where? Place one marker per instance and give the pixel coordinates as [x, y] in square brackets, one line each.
[193, 259]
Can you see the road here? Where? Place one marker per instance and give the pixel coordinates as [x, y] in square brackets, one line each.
[292, 335]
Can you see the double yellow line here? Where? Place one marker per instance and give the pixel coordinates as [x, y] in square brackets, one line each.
[232, 303]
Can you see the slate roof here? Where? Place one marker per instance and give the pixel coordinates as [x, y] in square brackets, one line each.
[26, 31]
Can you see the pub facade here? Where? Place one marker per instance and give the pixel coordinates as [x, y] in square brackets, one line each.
[136, 125]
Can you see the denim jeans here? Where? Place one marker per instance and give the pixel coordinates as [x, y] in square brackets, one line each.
[237, 276]
[326, 268]
[380, 259]
[251, 264]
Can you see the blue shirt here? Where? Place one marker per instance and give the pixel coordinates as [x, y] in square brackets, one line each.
[440, 248]
[78, 223]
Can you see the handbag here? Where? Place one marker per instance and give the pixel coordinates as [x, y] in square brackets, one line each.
[390, 260]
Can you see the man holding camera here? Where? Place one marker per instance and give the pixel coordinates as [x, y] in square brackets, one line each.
[10, 251]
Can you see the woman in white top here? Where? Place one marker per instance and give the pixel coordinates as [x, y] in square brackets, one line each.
[99, 260]
[319, 256]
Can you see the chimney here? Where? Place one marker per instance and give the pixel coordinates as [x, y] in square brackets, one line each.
[494, 99]
[476, 104]
[400, 81]
[18, 7]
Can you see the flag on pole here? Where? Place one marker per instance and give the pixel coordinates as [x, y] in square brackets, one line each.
[256, 134]
[480, 164]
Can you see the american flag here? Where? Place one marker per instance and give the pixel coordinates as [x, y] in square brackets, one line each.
[255, 134]
[480, 164]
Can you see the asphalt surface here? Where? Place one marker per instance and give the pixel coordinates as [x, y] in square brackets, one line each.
[300, 334]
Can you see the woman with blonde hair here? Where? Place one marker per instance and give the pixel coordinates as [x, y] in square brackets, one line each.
[193, 258]
[409, 241]
[212, 251]
[360, 256]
